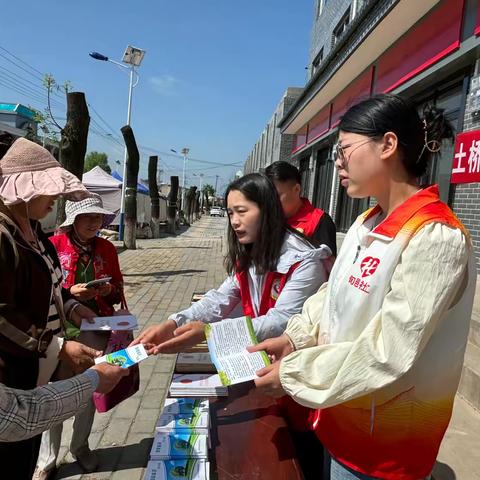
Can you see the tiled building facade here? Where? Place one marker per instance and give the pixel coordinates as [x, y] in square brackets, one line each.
[427, 51]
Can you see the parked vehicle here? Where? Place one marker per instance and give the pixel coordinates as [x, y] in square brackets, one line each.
[216, 212]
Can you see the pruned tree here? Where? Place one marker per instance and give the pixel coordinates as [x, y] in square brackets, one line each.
[172, 204]
[131, 180]
[74, 134]
[154, 197]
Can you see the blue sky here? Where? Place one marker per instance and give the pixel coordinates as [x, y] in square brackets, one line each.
[212, 75]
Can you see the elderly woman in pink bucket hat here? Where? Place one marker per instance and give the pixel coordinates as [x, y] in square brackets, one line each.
[33, 306]
[84, 257]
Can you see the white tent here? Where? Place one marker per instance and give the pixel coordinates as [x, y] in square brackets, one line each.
[110, 189]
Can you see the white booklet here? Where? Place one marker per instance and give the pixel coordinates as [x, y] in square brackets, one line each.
[125, 358]
[197, 385]
[228, 341]
[117, 322]
[174, 406]
[184, 469]
[178, 445]
[193, 422]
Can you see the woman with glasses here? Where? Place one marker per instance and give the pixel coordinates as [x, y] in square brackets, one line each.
[379, 349]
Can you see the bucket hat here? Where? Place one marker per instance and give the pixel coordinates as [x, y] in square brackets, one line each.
[93, 204]
[28, 170]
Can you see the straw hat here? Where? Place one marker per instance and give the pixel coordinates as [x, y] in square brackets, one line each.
[28, 170]
[89, 205]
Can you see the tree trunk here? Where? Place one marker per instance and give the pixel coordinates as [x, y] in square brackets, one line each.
[205, 201]
[197, 204]
[172, 204]
[73, 145]
[189, 203]
[133, 161]
[154, 197]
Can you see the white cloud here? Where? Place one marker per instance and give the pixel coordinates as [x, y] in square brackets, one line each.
[164, 84]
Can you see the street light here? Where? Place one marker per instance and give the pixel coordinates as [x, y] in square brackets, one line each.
[184, 152]
[132, 57]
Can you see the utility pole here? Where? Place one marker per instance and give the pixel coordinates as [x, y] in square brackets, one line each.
[216, 181]
[184, 152]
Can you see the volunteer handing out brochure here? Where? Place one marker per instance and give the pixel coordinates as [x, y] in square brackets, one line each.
[272, 270]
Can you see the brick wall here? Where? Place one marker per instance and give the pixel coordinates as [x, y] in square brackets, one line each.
[466, 200]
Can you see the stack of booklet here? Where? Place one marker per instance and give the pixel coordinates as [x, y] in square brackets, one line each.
[197, 385]
[199, 362]
[180, 446]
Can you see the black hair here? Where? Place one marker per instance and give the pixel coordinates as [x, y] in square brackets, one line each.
[6, 141]
[265, 251]
[283, 172]
[417, 138]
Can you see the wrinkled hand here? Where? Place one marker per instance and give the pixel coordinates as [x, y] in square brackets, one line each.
[80, 312]
[268, 381]
[153, 336]
[276, 348]
[77, 356]
[80, 292]
[105, 289]
[109, 376]
[186, 336]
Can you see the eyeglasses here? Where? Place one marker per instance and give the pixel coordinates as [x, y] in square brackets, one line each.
[340, 151]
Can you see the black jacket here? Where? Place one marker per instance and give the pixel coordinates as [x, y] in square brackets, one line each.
[25, 294]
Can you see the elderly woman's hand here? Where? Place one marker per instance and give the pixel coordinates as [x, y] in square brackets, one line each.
[81, 293]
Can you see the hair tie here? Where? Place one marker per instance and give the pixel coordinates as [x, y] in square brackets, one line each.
[433, 146]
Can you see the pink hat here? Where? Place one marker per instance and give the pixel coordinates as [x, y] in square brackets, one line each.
[28, 170]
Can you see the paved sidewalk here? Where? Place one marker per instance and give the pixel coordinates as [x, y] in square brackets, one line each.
[160, 278]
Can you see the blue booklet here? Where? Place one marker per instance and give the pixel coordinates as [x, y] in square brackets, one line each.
[125, 358]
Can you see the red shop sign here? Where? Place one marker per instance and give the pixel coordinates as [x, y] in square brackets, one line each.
[466, 159]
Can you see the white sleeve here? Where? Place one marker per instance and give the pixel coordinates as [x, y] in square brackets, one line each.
[214, 306]
[423, 286]
[304, 282]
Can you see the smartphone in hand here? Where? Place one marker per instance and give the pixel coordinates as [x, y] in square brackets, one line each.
[98, 283]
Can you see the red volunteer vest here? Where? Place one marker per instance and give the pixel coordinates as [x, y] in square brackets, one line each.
[273, 286]
[301, 418]
[306, 219]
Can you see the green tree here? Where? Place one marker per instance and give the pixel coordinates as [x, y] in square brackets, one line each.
[97, 158]
[209, 190]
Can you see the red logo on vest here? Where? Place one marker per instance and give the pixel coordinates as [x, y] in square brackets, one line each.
[369, 266]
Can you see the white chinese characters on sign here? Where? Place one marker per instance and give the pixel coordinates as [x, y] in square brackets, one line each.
[474, 157]
[459, 156]
[466, 163]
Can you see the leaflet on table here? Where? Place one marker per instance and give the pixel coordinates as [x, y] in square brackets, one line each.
[184, 469]
[227, 341]
[116, 322]
[178, 445]
[184, 422]
[125, 358]
[197, 385]
[174, 406]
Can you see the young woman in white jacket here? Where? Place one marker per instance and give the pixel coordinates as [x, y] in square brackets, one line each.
[379, 349]
[272, 270]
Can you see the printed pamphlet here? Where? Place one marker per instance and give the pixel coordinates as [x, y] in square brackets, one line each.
[117, 322]
[197, 385]
[125, 358]
[174, 406]
[227, 341]
[184, 422]
[168, 445]
[179, 469]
